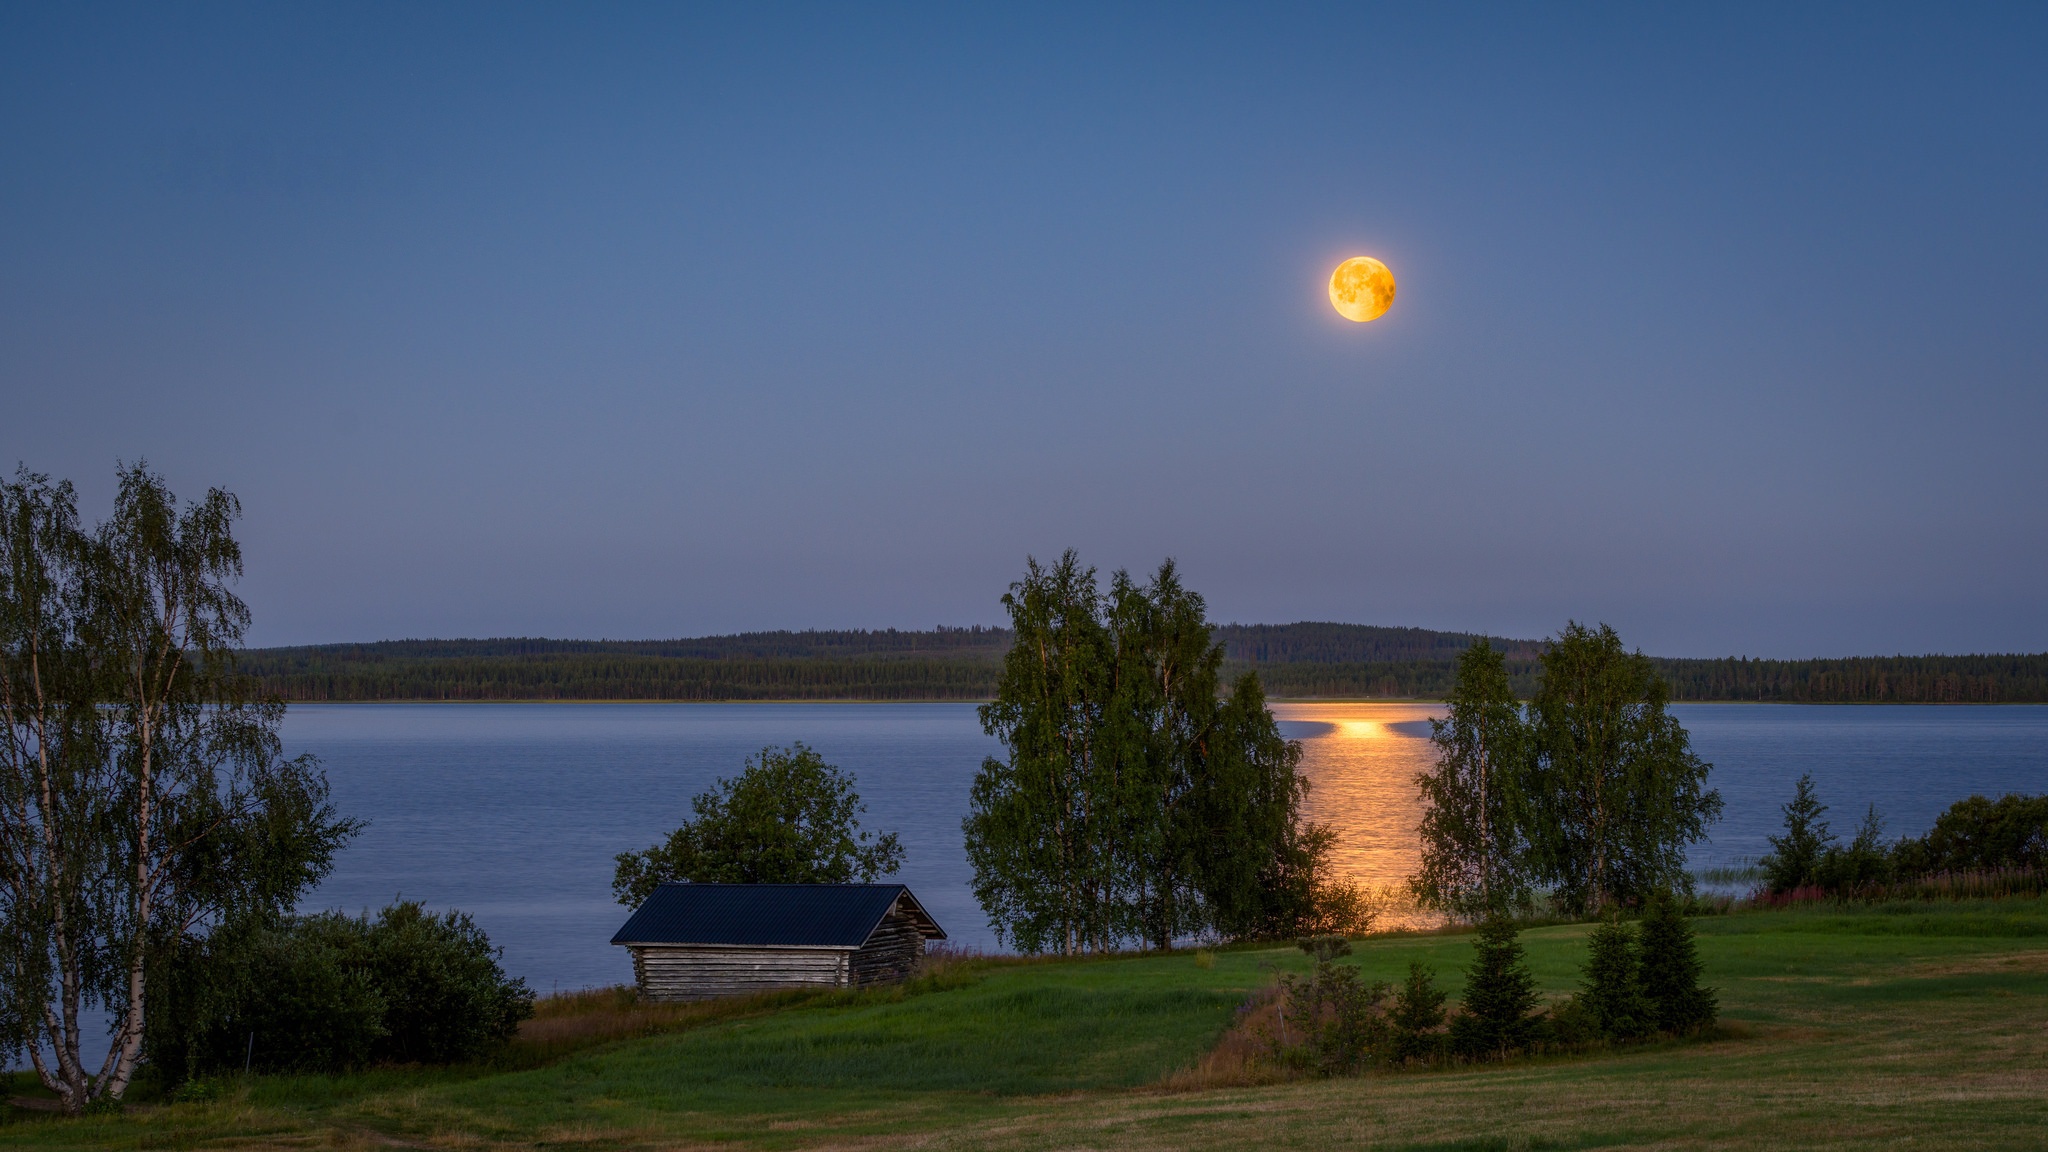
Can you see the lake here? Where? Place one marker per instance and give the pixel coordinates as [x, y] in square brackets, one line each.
[513, 812]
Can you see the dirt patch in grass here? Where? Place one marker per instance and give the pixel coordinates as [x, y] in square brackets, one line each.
[1242, 1056]
[1997, 962]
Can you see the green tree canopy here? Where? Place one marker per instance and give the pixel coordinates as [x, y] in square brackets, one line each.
[1500, 995]
[144, 797]
[1474, 857]
[1670, 969]
[1616, 793]
[789, 818]
[1794, 858]
[1135, 802]
[1979, 833]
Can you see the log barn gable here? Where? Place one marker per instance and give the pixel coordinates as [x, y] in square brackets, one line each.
[698, 941]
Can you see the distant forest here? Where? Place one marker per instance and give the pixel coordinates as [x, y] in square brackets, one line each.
[1299, 661]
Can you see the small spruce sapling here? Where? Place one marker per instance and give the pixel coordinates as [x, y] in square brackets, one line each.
[1794, 859]
[1499, 994]
[1670, 969]
[1612, 989]
[1417, 1014]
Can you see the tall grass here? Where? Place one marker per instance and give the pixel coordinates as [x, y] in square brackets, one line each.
[1982, 884]
[570, 1021]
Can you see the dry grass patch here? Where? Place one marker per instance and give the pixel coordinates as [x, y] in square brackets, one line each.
[1995, 962]
[572, 1021]
[1242, 1056]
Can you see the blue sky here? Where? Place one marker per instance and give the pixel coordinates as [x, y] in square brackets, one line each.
[1722, 324]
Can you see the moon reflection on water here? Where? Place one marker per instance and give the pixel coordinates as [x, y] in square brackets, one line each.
[1361, 761]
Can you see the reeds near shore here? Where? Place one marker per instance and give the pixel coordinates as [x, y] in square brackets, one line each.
[1983, 884]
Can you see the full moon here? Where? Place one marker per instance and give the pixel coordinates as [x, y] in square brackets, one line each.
[1361, 289]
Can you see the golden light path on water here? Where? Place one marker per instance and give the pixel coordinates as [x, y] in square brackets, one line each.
[1361, 761]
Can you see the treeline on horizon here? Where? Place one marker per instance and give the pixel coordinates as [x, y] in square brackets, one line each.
[1297, 661]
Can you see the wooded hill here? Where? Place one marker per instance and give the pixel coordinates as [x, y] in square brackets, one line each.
[1306, 660]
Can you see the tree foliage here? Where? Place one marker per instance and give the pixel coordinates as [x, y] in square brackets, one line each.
[143, 793]
[1496, 1017]
[788, 818]
[1794, 858]
[1416, 1018]
[1304, 659]
[1974, 835]
[1612, 987]
[1136, 802]
[1474, 832]
[1616, 793]
[330, 993]
[1977, 833]
[1670, 969]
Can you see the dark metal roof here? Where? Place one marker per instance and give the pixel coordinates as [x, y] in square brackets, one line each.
[770, 915]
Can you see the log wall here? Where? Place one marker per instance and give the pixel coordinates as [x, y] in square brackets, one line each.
[891, 952]
[686, 972]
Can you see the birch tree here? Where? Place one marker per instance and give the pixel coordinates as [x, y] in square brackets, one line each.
[1136, 802]
[1041, 830]
[1617, 793]
[52, 784]
[1475, 849]
[145, 794]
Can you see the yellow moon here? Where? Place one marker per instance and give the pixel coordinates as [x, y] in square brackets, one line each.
[1361, 289]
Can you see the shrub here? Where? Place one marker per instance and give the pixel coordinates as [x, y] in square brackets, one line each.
[1612, 988]
[1494, 1019]
[1571, 1025]
[446, 998]
[1339, 1019]
[1980, 835]
[285, 997]
[1864, 866]
[314, 1007]
[330, 993]
[1670, 969]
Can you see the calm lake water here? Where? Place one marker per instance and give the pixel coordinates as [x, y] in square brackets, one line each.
[513, 812]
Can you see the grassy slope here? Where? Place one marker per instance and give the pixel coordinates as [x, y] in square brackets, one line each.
[1925, 1023]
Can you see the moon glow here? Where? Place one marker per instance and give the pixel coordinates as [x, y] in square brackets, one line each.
[1361, 289]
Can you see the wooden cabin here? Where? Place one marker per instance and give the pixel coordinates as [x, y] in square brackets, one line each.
[699, 941]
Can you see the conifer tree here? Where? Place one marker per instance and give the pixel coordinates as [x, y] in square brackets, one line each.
[1794, 859]
[1612, 988]
[1671, 969]
[1417, 1013]
[1499, 994]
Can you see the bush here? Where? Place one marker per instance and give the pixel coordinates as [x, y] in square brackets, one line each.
[1339, 1020]
[446, 999]
[1980, 835]
[330, 993]
[1865, 866]
[282, 997]
[1572, 1025]
[1494, 1020]
[313, 1007]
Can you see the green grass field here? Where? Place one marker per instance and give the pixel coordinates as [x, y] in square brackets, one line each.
[1917, 1024]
